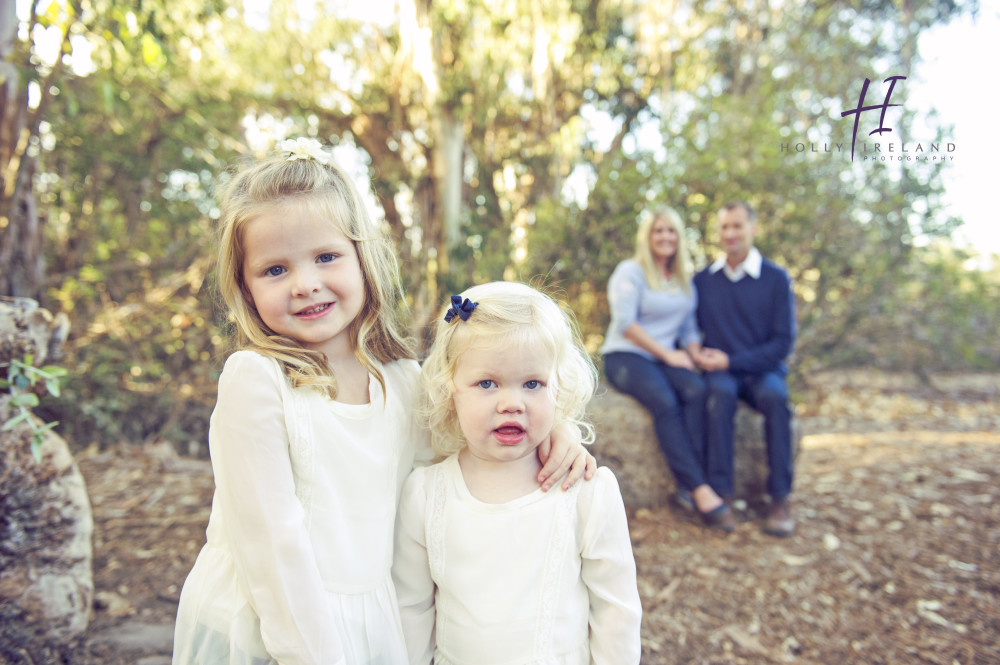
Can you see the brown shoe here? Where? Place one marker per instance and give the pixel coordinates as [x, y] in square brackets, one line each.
[779, 522]
[720, 518]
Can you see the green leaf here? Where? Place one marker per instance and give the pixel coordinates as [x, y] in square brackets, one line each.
[12, 423]
[152, 52]
[25, 400]
[46, 427]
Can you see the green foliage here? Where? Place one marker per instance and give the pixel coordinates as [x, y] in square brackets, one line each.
[182, 90]
[941, 316]
[761, 78]
[21, 382]
[575, 250]
[147, 366]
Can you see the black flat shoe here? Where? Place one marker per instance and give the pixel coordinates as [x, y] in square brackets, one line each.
[720, 518]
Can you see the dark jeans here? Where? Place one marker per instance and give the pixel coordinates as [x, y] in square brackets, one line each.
[676, 399]
[766, 393]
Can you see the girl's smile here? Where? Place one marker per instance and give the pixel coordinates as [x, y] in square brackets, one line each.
[314, 312]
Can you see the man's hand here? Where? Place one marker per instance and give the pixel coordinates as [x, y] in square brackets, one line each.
[712, 360]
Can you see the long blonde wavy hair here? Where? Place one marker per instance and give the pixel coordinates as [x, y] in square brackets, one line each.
[508, 314]
[377, 333]
[679, 265]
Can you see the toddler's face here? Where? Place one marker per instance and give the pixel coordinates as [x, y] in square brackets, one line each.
[503, 401]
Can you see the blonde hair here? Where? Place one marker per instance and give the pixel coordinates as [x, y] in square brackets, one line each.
[377, 332]
[679, 264]
[508, 314]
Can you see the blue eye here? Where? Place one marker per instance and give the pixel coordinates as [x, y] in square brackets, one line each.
[326, 258]
[534, 384]
[486, 384]
[274, 271]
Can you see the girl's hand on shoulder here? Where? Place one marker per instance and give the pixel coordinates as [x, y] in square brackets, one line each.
[564, 455]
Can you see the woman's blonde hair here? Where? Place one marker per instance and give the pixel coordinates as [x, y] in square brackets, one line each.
[376, 333]
[679, 264]
[507, 314]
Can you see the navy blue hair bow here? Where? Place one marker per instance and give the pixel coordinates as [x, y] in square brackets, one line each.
[459, 309]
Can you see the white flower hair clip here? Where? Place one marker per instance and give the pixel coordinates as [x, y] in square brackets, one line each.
[305, 148]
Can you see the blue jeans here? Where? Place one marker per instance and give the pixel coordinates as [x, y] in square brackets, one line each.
[675, 397]
[766, 393]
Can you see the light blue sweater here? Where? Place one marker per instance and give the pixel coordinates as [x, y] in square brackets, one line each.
[667, 315]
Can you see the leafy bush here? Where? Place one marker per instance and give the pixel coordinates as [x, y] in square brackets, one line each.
[23, 383]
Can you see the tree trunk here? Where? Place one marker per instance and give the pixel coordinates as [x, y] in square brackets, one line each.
[20, 233]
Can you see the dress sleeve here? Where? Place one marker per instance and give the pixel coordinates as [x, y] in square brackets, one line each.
[411, 572]
[625, 289]
[265, 522]
[608, 571]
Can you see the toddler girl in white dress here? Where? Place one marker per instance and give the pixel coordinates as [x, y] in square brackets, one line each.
[488, 569]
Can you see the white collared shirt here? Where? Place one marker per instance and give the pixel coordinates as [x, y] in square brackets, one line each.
[751, 266]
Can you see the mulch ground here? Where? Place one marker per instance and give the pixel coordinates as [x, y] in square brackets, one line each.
[896, 558]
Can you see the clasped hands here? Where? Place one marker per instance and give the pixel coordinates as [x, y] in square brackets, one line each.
[707, 359]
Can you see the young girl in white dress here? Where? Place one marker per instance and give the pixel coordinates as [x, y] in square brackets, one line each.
[313, 433]
[488, 569]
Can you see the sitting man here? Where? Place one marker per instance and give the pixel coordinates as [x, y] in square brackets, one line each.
[746, 313]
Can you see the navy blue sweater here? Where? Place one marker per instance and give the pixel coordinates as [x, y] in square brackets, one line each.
[752, 320]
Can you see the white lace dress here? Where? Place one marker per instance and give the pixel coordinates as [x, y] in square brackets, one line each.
[548, 578]
[296, 569]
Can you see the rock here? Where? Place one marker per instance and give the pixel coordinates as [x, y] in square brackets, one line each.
[26, 328]
[46, 580]
[113, 604]
[627, 445]
[138, 635]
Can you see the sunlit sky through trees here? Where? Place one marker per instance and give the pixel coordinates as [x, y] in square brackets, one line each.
[952, 79]
[947, 80]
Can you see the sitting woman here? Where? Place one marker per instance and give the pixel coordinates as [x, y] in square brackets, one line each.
[652, 302]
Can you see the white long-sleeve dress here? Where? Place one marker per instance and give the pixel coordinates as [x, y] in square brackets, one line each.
[548, 578]
[296, 569]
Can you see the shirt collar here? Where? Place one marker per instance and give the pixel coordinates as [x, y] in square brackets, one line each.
[751, 266]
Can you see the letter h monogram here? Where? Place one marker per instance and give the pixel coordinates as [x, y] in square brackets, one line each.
[861, 107]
